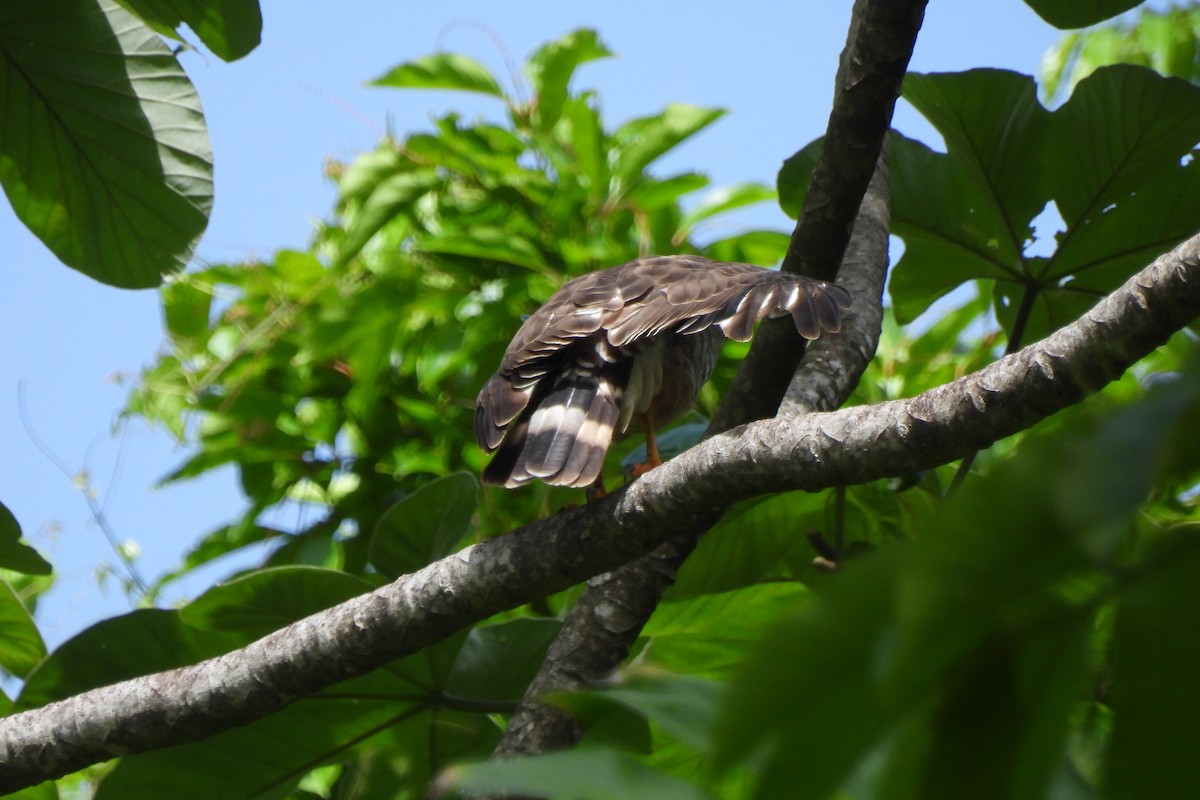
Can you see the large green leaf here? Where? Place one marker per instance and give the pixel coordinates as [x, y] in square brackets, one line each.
[230, 28]
[989, 118]
[899, 629]
[266, 600]
[396, 706]
[1113, 160]
[424, 526]
[640, 141]
[15, 554]
[1079, 13]
[442, 71]
[103, 150]
[1155, 694]
[550, 69]
[21, 645]
[138, 643]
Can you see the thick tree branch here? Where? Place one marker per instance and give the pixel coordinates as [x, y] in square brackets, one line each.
[808, 452]
[878, 47]
[601, 628]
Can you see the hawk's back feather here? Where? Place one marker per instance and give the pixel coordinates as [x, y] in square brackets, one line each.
[612, 344]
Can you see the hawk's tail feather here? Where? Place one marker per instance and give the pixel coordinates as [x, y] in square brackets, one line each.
[562, 437]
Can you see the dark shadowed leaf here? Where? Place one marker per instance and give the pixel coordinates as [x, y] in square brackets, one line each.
[1079, 13]
[1155, 694]
[138, 643]
[792, 181]
[497, 662]
[585, 774]
[229, 28]
[424, 526]
[442, 71]
[104, 153]
[15, 554]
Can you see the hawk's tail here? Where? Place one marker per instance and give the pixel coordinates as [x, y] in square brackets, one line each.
[562, 438]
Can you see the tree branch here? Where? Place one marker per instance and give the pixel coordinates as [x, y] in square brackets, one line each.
[878, 47]
[602, 626]
[809, 452]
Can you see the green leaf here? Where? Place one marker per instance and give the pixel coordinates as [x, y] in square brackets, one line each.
[754, 542]
[641, 141]
[991, 121]
[1114, 161]
[187, 304]
[725, 199]
[585, 774]
[792, 181]
[268, 757]
[104, 153]
[586, 135]
[951, 235]
[394, 708]
[497, 662]
[881, 643]
[15, 554]
[138, 643]
[684, 707]
[550, 69]
[1079, 13]
[425, 526]
[495, 244]
[268, 599]
[1155, 694]
[21, 645]
[710, 635]
[229, 28]
[442, 71]
[997, 731]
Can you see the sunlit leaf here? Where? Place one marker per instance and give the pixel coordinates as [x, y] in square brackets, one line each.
[230, 28]
[550, 69]
[442, 71]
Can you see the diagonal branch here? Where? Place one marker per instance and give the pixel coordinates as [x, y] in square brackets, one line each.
[809, 452]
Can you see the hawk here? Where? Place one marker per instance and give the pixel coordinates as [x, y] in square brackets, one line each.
[627, 349]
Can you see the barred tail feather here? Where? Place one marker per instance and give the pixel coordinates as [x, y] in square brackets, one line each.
[561, 439]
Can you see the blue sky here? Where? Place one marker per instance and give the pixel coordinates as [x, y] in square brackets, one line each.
[300, 98]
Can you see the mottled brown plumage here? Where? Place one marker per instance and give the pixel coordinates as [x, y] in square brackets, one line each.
[615, 348]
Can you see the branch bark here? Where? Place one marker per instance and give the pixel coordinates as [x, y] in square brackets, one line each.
[809, 452]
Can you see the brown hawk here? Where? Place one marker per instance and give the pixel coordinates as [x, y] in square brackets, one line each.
[623, 349]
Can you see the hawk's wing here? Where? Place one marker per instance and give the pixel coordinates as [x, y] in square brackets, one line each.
[583, 340]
